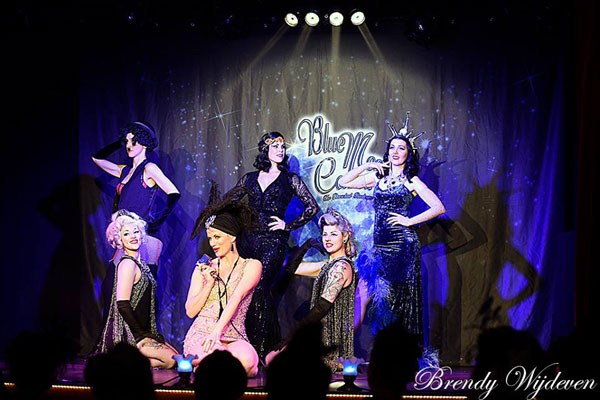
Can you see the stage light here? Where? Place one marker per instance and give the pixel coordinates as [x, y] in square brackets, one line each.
[336, 18]
[349, 373]
[291, 19]
[311, 18]
[184, 368]
[357, 17]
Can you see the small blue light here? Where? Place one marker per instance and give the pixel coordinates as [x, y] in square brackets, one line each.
[184, 363]
[350, 370]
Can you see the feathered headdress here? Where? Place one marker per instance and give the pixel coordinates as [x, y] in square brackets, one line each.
[229, 214]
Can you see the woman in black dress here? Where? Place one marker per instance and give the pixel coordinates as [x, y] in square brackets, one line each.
[271, 189]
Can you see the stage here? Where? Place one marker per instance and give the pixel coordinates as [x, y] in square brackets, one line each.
[71, 385]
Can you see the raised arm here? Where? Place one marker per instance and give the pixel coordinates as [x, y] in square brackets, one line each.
[100, 160]
[357, 178]
[311, 208]
[201, 284]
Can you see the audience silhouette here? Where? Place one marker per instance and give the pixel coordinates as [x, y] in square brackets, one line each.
[220, 376]
[299, 372]
[122, 373]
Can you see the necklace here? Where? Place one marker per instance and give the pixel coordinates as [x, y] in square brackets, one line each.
[395, 180]
[221, 295]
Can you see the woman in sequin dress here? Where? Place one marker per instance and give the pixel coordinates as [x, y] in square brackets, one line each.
[221, 290]
[131, 315]
[271, 189]
[332, 300]
[393, 278]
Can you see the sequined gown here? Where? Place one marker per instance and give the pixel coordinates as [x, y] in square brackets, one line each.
[338, 323]
[208, 316]
[143, 302]
[270, 247]
[394, 275]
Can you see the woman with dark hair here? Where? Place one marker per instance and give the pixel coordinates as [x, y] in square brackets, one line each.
[132, 312]
[221, 290]
[332, 300]
[138, 183]
[393, 279]
[271, 189]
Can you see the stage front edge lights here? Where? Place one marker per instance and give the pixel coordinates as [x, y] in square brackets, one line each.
[336, 18]
[311, 18]
[291, 19]
[358, 17]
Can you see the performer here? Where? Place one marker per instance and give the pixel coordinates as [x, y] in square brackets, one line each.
[394, 278]
[131, 315]
[221, 290]
[332, 300]
[137, 188]
[271, 189]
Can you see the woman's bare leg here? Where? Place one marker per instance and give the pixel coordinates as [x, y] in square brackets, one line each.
[244, 352]
[159, 354]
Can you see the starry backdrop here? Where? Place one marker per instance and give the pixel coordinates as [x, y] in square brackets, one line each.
[495, 150]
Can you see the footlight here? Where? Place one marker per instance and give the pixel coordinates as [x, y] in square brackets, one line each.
[184, 368]
[349, 372]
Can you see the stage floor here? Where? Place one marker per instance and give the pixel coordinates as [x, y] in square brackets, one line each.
[71, 384]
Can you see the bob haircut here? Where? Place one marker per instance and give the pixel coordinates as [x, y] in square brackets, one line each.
[119, 220]
[262, 162]
[411, 167]
[143, 133]
[332, 217]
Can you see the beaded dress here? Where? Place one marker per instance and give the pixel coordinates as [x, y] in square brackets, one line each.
[270, 247]
[208, 316]
[142, 300]
[394, 275]
[338, 323]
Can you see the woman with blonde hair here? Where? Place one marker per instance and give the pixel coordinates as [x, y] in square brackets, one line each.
[131, 315]
[332, 300]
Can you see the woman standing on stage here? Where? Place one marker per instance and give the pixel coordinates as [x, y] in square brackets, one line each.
[138, 183]
[131, 315]
[271, 189]
[332, 300]
[394, 277]
[221, 290]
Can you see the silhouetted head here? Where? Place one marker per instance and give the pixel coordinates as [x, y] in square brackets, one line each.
[33, 360]
[393, 362]
[298, 372]
[220, 376]
[121, 373]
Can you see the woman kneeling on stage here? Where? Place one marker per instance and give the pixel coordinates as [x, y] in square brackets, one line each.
[131, 316]
[332, 300]
[221, 289]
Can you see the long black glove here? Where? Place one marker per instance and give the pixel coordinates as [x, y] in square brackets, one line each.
[291, 266]
[106, 151]
[315, 314]
[128, 315]
[154, 224]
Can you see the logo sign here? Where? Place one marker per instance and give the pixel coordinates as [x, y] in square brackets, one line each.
[329, 155]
